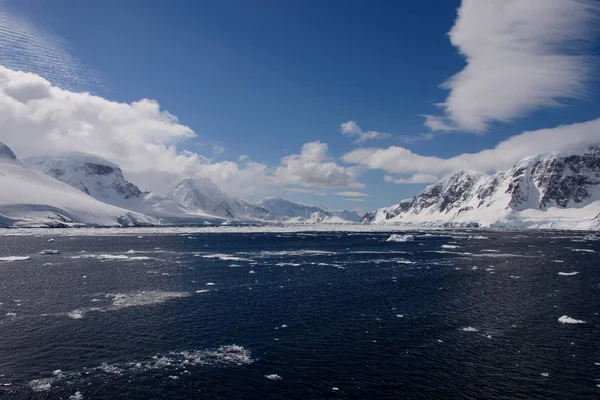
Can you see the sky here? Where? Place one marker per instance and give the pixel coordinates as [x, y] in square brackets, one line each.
[346, 104]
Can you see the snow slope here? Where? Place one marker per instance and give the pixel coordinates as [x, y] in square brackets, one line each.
[32, 198]
[560, 191]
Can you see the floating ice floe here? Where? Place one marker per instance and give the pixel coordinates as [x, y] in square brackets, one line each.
[568, 273]
[50, 252]
[172, 361]
[125, 300]
[41, 385]
[565, 319]
[76, 396]
[75, 314]
[400, 238]
[15, 258]
[273, 377]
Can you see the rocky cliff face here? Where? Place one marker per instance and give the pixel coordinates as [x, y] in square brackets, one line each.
[535, 188]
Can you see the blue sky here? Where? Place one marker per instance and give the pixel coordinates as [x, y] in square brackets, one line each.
[263, 78]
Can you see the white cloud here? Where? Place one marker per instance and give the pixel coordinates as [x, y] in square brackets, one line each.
[352, 194]
[308, 191]
[425, 169]
[217, 150]
[418, 138]
[37, 118]
[521, 55]
[313, 167]
[25, 46]
[40, 119]
[437, 123]
[415, 178]
[351, 129]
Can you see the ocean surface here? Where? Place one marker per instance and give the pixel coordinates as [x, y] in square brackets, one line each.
[304, 315]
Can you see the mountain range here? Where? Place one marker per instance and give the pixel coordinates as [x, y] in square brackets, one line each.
[552, 190]
[79, 189]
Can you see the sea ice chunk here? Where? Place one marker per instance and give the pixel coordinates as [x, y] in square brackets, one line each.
[50, 252]
[565, 319]
[400, 238]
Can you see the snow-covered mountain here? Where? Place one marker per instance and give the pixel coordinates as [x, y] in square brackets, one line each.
[545, 191]
[204, 195]
[32, 198]
[286, 210]
[191, 201]
[93, 175]
[104, 181]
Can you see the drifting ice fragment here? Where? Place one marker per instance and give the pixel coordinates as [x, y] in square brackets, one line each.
[400, 238]
[565, 319]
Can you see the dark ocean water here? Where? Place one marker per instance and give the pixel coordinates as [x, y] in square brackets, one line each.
[323, 315]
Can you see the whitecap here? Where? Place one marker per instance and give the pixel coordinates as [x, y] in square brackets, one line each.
[470, 329]
[273, 377]
[223, 257]
[44, 252]
[584, 250]
[568, 273]
[450, 246]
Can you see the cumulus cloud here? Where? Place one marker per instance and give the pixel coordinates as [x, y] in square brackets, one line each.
[313, 167]
[25, 46]
[521, 55]
[351, 129]
[415, 168]
[352, 194]
[37, 118]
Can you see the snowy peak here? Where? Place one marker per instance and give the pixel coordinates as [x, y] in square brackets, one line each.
[6, 153]
[93, 175]
[203, 195]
